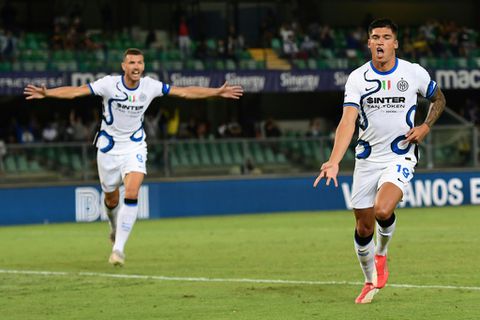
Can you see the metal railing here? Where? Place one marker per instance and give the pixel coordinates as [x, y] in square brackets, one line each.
[445, 147]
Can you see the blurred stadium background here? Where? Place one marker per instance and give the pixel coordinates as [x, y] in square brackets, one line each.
[258, 154]
[292, 58]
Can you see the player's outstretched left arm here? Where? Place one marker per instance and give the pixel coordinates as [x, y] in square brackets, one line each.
[225, 91]
[437, 105]
[34, 92]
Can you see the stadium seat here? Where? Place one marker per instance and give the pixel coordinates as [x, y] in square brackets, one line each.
[193, 154]
[10, 164]
[76, 162]
[270, 156]
[34, 166]
[22, 163]
[237, 152]
[312, 64]
[230, 65]
[219, 65]
[226, 154]
[300, 64]
[257, 154]
[204, 155]
[214, 152]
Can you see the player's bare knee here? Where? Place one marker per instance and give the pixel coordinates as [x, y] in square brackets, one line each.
[112, 199]
[131, 193]
[382, 213]
[364, 230]
[111, 203]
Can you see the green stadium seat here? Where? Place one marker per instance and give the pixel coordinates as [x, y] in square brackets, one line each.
[174, 162]
[300, 64]
[276, 44]
[257, 154]
[226, 153]
[76, 162]
[173, 65]
[312, 64]
[10, 164]
[22, 164]
[173, 54]
[5, 67]
[214, 152]
[219, 65]
[183, 159]
[204, 154]
[281, 159]
[193, 154]
[237, 152]
[230, 65]
[63, 158]
[270, 156]
[248, 65]
[34, 166]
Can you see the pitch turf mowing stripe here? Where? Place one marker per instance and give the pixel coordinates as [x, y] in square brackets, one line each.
[226, 280]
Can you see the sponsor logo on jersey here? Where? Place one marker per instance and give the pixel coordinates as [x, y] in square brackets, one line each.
[386, 100]
[402, 85]
[127, 107]
[391, 104]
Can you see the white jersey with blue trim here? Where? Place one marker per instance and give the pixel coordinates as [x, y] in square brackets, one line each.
[123, 111]
[386, 103]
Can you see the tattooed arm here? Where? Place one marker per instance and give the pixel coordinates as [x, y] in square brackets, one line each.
[437, 105]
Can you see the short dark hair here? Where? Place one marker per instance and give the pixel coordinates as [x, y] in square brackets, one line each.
[383, 23]
[133, 52]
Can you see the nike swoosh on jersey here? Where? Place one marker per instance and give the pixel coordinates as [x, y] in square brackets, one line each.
[368, 89]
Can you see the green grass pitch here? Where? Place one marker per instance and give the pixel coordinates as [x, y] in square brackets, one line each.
[435, 253]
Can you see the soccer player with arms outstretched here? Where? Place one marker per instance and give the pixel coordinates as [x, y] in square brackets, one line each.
[122, 150]
[382, 96]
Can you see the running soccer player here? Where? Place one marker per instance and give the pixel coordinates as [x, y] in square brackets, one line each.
[382, 96]
[122, 150]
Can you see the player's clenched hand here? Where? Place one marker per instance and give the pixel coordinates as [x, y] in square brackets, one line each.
[417, 134]
[232, 92]
[34, 92]
[329, 171]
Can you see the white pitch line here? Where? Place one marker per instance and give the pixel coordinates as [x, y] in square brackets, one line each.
[226, 280]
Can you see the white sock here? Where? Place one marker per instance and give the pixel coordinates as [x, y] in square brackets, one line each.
[127, 215]
[366, 257]
[384, 235]
[112, 214]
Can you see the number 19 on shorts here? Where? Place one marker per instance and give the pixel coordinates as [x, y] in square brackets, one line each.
[403, 170]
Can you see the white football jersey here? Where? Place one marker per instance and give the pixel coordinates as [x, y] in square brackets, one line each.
[386, 103]
[123, 111]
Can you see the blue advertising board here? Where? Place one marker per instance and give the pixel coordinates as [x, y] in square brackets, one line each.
[226, 196]
[12, 83]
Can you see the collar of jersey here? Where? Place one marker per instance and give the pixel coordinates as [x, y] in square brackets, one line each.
[383, 73]
[131, 89]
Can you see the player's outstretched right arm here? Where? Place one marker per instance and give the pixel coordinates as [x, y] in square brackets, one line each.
[343, 136]
[34, 92]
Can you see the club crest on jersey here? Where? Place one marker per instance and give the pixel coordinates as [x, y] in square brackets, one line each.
[143, 97]
[402, 85]
[386, 84]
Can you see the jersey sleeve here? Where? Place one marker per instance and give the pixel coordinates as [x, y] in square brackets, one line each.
[158, 87]
[352, 94]
[100, 87]
[427, 86]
